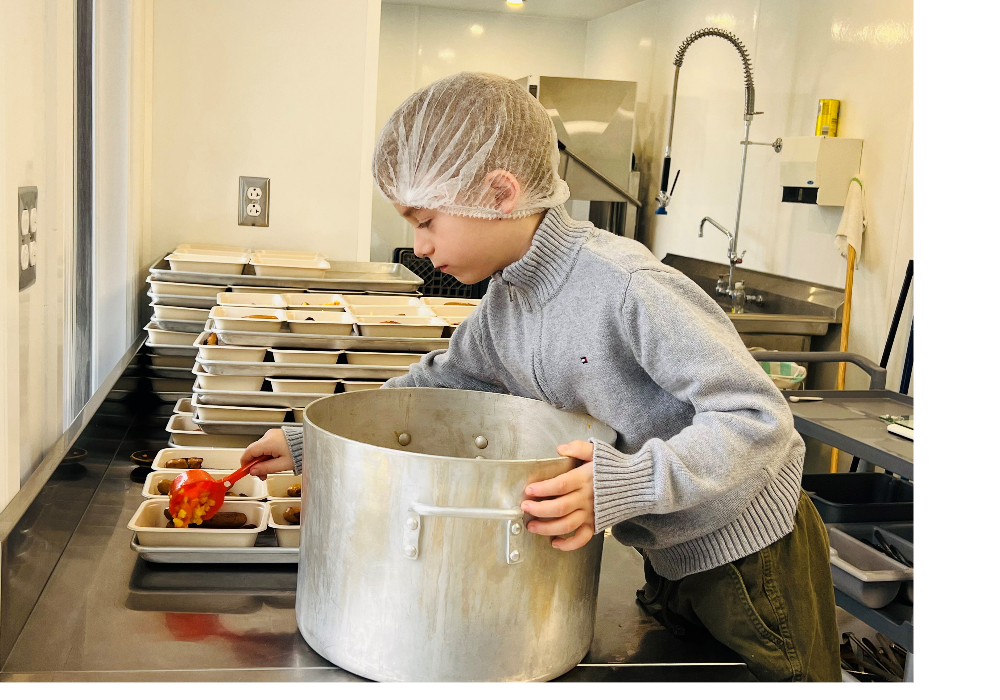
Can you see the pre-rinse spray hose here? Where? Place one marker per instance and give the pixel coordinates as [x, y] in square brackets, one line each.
[664, 197]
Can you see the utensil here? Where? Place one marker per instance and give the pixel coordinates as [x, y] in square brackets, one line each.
[796, 399]
[195, 496]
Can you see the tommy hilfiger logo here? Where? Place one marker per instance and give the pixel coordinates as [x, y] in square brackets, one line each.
[583, 360]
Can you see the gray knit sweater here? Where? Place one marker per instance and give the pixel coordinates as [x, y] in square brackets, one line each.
[707, 465]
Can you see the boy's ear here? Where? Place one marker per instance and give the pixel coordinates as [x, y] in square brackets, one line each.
[502, 190]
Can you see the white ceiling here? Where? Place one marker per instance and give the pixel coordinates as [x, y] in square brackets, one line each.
[570, 9]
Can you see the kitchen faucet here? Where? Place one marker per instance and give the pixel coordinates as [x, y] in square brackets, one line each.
[721, 287]
[663, 198]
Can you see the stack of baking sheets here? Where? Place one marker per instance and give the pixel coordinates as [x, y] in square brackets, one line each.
[263, 514]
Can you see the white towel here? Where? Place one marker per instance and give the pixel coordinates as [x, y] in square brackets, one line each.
[852, 222]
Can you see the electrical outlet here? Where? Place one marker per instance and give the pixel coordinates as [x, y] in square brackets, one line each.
[27, 235]
[255, 197]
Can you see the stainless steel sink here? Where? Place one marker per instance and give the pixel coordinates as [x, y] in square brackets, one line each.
[790, 307]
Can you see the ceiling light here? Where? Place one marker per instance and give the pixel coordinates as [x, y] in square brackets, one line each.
[515, 3]
[477, 29]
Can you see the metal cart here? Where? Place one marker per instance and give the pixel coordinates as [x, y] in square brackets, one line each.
[850, 421]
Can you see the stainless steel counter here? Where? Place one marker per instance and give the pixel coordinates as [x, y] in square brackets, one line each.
[105, 615]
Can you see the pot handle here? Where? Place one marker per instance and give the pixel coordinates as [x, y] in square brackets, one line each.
[513, 527]
[475, 513]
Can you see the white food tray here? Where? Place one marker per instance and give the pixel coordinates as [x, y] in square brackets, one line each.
[287, 266]
[287, 534]
[276, 486]
[201, 440]
[314, 300]
[216, 458]
[183, 288]
[256, 299]
[164, 337]
[228, 382]
[240, 414]
[382, 300]
[305, 357]
[401, 326]
[183, 407]
[179, 313]
[216, 555]
[236, 318]
[211, 249]
[149, 524]
[226, 264]
[230, 353]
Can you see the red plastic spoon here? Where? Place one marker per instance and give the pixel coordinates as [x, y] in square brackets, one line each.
[195, 496]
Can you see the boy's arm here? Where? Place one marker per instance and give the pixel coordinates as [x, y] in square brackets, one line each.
[742, 432]
[463, 365]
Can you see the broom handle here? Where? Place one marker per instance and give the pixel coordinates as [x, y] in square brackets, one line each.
[845, 331]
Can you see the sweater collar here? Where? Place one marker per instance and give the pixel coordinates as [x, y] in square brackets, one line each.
[553, 252]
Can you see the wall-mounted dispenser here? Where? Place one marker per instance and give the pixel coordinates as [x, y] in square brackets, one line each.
[818, 169]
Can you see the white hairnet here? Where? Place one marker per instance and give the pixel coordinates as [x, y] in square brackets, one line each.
[438, 147]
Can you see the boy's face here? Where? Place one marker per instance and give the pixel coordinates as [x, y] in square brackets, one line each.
[467, 248]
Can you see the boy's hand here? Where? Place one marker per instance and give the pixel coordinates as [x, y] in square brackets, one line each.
[273, 444]
[571, 501]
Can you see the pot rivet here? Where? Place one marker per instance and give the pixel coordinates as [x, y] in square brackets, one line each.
[482, 442]
[404, 439]
[410, 551]
[515, 555]
[411, 524]
[515, 528]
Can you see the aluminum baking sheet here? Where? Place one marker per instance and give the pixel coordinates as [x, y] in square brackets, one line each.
[171, 372]
[168, 324]
[232, 427]
[304, 341]
[184, 301]
[164, 349]
[303, 371]
[258, 399]
[342, 276]
[217, 555]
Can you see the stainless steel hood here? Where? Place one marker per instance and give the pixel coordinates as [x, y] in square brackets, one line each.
[595, 124]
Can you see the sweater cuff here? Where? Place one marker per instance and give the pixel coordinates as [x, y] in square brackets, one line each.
[623, 485]
[294, 438]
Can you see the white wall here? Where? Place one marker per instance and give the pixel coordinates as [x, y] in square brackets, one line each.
[857, 51]
[283, 90]
[418, 45]
[37, 149]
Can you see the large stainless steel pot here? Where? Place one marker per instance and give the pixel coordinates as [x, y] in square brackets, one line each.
[415, 564]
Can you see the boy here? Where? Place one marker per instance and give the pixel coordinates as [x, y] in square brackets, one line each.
[705, 476]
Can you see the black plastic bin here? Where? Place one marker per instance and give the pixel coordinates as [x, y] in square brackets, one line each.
[860, 497]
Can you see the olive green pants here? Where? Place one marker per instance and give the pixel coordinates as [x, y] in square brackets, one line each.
[774, 608]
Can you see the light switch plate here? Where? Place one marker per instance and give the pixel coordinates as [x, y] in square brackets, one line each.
[254, 210]
[27, 200]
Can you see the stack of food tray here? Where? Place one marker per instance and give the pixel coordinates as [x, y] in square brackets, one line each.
[266, 356]
[258, 522]
[264, 333]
